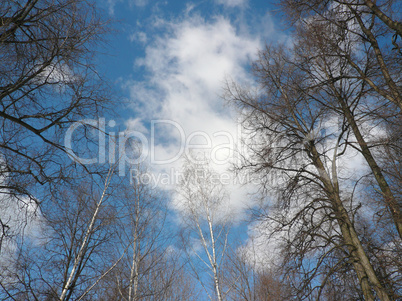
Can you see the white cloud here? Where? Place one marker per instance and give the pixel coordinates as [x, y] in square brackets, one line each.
[25, 222]
[186, 72]
[139, 2]
[139, 36]
[112, 3]
[136, 125]
[231, 3]
[263, 250]
[58, 75]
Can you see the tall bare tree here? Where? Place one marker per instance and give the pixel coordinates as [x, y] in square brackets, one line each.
[206, 220]
[297, 145]
[335, 91]
[357, 35]
[337, 52]
[47, 82]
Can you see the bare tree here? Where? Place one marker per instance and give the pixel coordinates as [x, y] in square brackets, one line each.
[332, 52]
[334, 92]
[296, 144]
[47, 82]
[67, 256]
[352, 34]
[167, 280]
[72, 274]
[148, 267]
[206, 220]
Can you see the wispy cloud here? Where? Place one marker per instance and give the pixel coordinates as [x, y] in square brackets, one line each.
[136, 3]
[232, 3]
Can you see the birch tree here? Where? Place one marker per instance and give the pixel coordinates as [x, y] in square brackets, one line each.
[68, 254]
[203, 203]
[74, 271]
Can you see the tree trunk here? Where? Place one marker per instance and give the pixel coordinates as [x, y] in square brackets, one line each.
[361, 263]
[390, 200]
